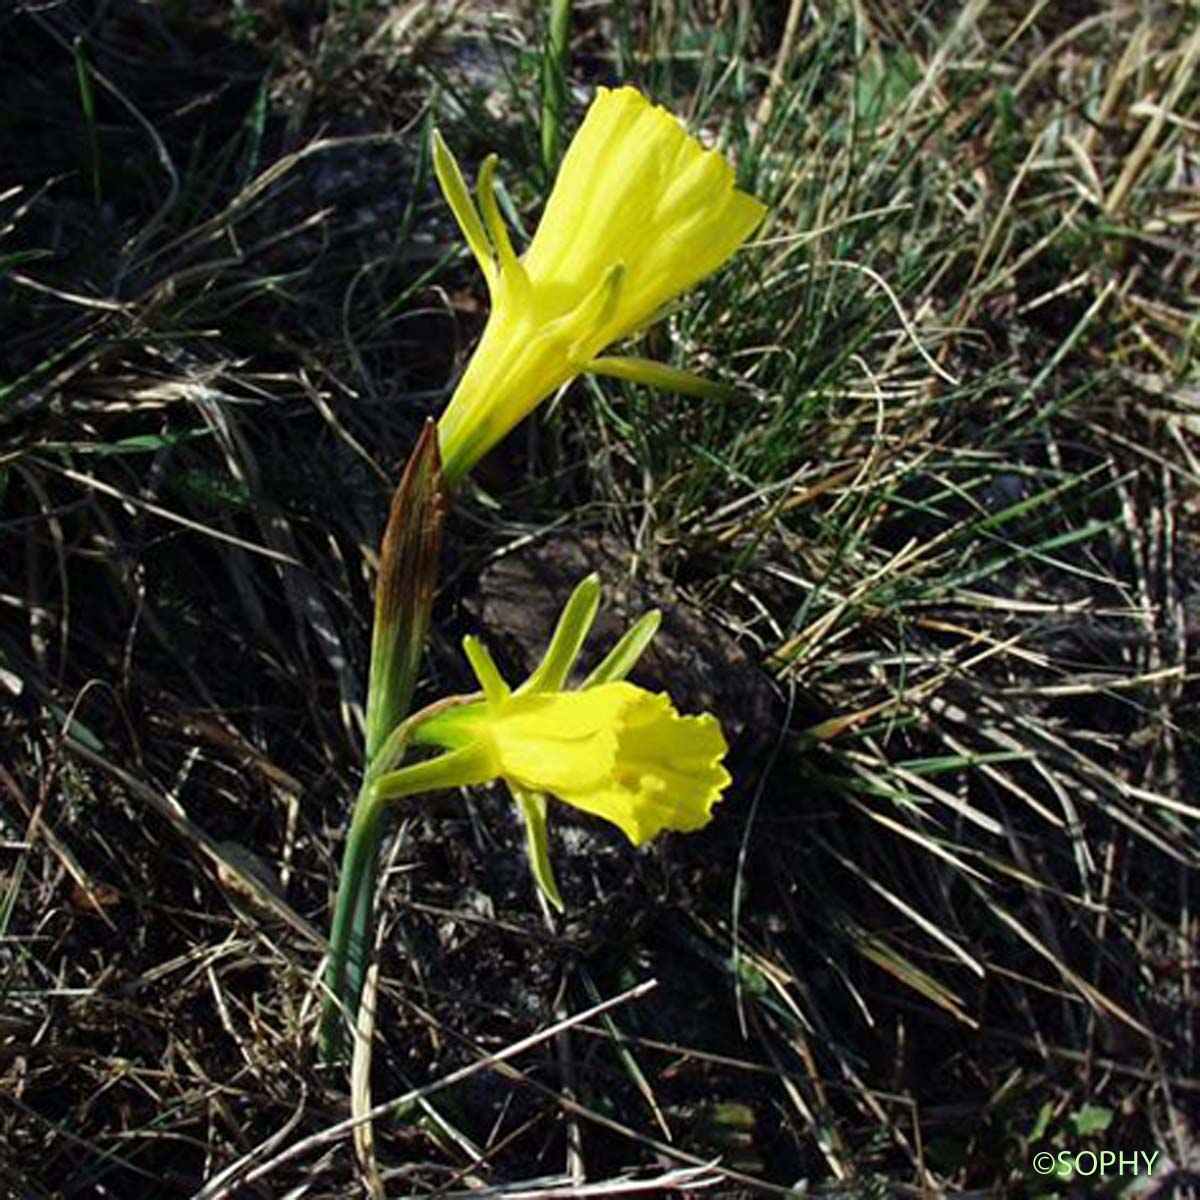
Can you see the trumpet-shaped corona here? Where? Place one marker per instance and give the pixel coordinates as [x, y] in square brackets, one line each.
[639, 213]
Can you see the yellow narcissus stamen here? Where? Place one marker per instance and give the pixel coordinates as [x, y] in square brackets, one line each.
[614, 750]
[639, 212]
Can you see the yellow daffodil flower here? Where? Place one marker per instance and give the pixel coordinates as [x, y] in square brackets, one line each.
[639, 213]
[608, 748]
[616, 751]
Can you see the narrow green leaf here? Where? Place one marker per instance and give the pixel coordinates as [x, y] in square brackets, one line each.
[554, 83]
[17, 257]
[87, 101]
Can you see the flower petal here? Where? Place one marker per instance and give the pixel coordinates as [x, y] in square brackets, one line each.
[537, 841]
[511, 270]
[655, 374]
[690, 249]
[623, 657]
[454, 188]
[635, 187]
[484, 666]
[559, 741]
[463, 767]
[569, 635]
[606, 201]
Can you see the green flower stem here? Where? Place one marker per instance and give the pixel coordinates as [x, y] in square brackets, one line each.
[352, 930]
[408, 559]
[345, 941]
